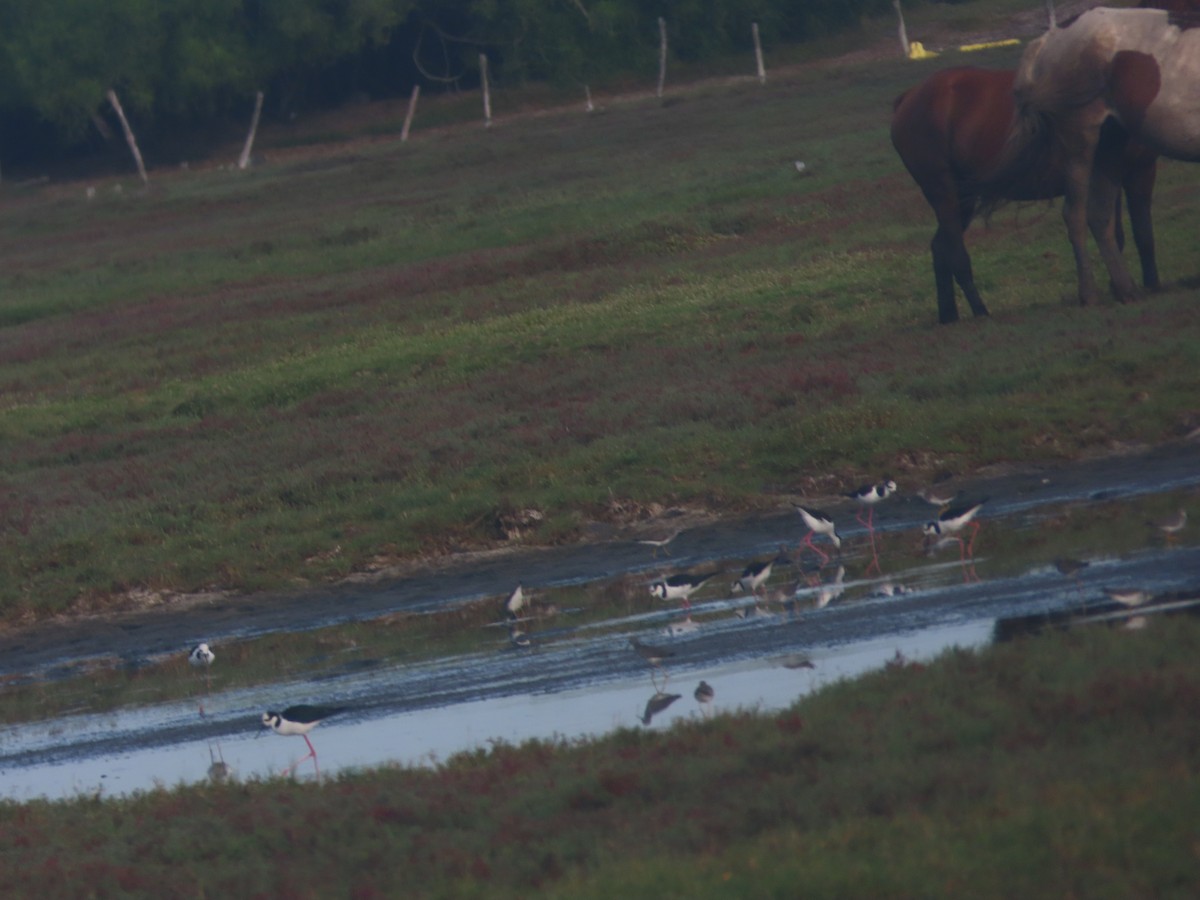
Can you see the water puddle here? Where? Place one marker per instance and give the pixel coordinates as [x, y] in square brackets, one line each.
[427, 669]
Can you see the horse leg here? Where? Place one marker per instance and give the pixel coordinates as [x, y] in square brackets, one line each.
[1103, 197]
[1139, 191]
[1078, 177]
[943, 277]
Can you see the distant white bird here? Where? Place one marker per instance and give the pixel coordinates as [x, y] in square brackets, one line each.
[1128, 596]
[1171, 525]
[201, 656]
[801, 167]
[515, 603]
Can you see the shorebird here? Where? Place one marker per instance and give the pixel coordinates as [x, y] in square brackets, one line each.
[831, 590]
[818, 522]
[704, 694]
[652, 655]
[300, 720]
[754, 576]
[1171, 525]
[797, 661]
[940, 499]
[657, 704]
[680, 587]
[518, 638]
[515, 603]
[951, 522]
[660, 543]
[202, 657]
[1128, 596]
[867, 496]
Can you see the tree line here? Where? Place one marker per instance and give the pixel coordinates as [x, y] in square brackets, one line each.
[192, 64]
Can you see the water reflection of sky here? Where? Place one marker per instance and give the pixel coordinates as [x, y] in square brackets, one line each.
[432, 735]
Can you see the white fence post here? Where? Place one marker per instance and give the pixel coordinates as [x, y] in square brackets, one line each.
[903, 30]
[758, 57]
[244, 159]
[408, 116]
[487, 96]
[129, 138]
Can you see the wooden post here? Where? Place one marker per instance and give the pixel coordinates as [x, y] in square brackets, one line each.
[244, 159]
[758, 57]
[408, 116]
[1050, 14]
[903, 30]
[487, 96]
[129, 138]
[662, 54]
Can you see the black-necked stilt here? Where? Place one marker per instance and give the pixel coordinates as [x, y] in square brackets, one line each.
[951, 522]
[818, 522]
[870, 494]
[300, 720]
[657, 704]
[1171, 525]
[753, 577]
[515, 603]
[1128, 596]
[831, 590]
[679, 587]
[704, 694]
[201, 656]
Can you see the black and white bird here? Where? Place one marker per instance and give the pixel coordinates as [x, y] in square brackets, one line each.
[515, 603]
[951, 522]
[818, 522]
[300, 720]
[680, 587]
[201, 656]
[867, 496]
[1171, 525]
[753, 577]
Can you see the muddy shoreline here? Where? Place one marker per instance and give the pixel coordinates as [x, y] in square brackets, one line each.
[136, 636]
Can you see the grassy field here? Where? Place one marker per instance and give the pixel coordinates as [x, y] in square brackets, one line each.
[370, 352]
[1062, 765]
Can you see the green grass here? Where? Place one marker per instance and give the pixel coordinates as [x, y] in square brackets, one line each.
[1059, 765]
[382, 347]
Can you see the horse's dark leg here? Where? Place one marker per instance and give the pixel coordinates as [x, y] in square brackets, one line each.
[962, 259]
[943, 277]
[1139, 190]
[951, 262]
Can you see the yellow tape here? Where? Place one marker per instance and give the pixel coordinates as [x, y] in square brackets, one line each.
[967, 48]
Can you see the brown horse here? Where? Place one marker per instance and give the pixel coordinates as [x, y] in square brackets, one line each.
[1139, 68]
[951, 132]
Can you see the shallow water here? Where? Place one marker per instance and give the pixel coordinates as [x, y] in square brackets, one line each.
[580, 678]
